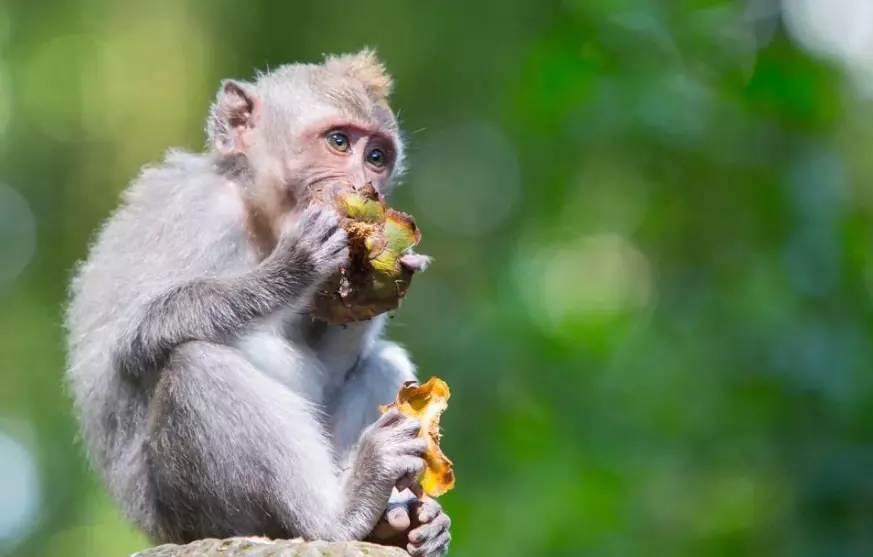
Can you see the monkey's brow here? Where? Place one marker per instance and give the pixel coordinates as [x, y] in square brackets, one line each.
[374, 130]
[363, 127]
[360, 126]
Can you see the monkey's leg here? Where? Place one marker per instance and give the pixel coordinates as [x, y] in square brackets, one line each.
[420, 527]
[232, 452]
[374, 381]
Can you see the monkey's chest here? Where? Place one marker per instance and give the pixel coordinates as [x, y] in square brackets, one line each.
[288, 360]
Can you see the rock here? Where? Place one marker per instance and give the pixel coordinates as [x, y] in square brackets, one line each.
[263, 547]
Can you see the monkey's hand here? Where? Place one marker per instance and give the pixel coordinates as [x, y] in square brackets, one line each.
[418, 525]
[415, 262]
[390, 454]
[310, 249]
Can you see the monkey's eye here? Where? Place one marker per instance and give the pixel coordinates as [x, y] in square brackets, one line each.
[376, 157]
[338, 141]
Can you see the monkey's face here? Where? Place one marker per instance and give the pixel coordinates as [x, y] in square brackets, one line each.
[329, 128]
[303, 126]
[340, 149]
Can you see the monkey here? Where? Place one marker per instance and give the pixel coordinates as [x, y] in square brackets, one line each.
[209, 400]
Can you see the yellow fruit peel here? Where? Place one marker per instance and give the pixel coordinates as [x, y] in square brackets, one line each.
[427, 402]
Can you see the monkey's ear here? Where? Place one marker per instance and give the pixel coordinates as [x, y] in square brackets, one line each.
[366, 67]
[232, 117]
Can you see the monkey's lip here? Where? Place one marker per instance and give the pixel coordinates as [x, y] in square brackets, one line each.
[316, 189]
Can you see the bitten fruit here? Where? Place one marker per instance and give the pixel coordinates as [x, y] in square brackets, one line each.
[427, 402]
[373, 281]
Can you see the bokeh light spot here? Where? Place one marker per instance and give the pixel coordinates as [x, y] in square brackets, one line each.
[5, 26]
[610, 194]
[5, 99]
[676, 106]
[839, 30]
[467, 179]
[596, 276]
[818, 183]
[763, 17]
[21, 490]
[17, 235]
[142, 81]
[99, 531]
[55, 84]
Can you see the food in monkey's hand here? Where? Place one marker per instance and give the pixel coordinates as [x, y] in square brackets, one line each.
[427, 402]
[373, 281]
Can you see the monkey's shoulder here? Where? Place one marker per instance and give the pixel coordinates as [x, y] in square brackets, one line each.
[176, 222]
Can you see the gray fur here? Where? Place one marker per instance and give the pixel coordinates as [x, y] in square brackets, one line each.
[209, 402]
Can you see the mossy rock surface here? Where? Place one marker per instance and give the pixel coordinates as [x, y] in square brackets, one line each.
[263, 547]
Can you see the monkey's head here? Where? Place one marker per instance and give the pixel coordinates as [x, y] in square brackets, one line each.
[301, 126]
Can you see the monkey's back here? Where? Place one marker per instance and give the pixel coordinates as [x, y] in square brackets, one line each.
[177, 221]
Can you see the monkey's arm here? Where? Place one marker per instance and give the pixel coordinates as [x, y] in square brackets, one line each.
[208, 310]
[212, 309]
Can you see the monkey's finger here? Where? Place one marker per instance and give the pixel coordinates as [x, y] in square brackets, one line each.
[427, 510]
[415, 262]
[405, 481]
[435, 544]
[430, 531]
[398, 518]
[410, 428]
[331, 230]
[414, 466]
[415, 447]
[308, 218]
[432, 548]
[390, 417]
[418, 491]
[385, 531]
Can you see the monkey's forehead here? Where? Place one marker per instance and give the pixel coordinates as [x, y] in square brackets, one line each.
[357, 106]
[312, 93]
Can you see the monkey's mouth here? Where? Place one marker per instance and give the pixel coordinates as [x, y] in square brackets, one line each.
[325, 193]
[316, 191]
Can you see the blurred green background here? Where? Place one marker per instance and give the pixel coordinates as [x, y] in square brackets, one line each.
[651, 224]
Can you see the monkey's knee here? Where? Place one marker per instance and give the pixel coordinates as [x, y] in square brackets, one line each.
[203, 467]
[197, 409]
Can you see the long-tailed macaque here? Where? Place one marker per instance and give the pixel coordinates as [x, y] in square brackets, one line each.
[211, 403]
